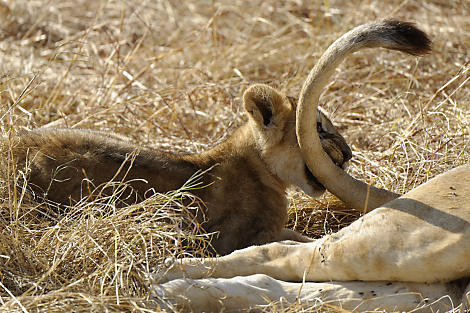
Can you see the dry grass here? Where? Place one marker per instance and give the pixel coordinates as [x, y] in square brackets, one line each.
[171, 73]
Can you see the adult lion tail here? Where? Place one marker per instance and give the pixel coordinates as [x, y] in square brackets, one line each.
[389, 34]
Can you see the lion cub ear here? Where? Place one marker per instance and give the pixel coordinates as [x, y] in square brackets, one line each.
[265, 104]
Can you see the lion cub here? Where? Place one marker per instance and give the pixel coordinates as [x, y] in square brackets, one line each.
[246, 176]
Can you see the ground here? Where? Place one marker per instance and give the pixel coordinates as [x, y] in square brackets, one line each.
[171, 74]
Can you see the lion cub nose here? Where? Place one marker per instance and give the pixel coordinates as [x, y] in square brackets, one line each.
[347, 154]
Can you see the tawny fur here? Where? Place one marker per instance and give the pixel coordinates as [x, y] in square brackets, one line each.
[389, 34]
[407, 253]
[246, 176]
[413, 248]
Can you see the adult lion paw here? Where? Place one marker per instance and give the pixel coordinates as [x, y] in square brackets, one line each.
[170, 269]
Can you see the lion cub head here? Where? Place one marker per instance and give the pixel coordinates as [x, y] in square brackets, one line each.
[272, 120]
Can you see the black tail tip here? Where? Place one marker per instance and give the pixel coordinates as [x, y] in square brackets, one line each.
[413, 40]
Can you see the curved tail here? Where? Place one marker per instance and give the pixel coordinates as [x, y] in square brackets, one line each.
[389, 34]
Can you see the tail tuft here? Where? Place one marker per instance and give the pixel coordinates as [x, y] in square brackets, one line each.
[408, 37]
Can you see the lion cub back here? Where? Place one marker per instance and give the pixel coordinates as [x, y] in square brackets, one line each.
[65, 164]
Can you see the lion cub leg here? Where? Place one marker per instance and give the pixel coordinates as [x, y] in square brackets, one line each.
[289, 234]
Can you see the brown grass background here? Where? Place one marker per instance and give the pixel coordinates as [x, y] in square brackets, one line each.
[171, 74]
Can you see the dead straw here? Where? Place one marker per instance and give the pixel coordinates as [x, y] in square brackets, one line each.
[171, 74]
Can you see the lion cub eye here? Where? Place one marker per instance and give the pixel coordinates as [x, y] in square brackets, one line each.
[319, 128]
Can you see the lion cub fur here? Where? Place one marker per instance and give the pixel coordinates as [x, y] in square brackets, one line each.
[246, 176]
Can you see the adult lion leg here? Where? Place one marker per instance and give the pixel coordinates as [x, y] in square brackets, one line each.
[246, 292]
[423, 236]
[271, 259]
